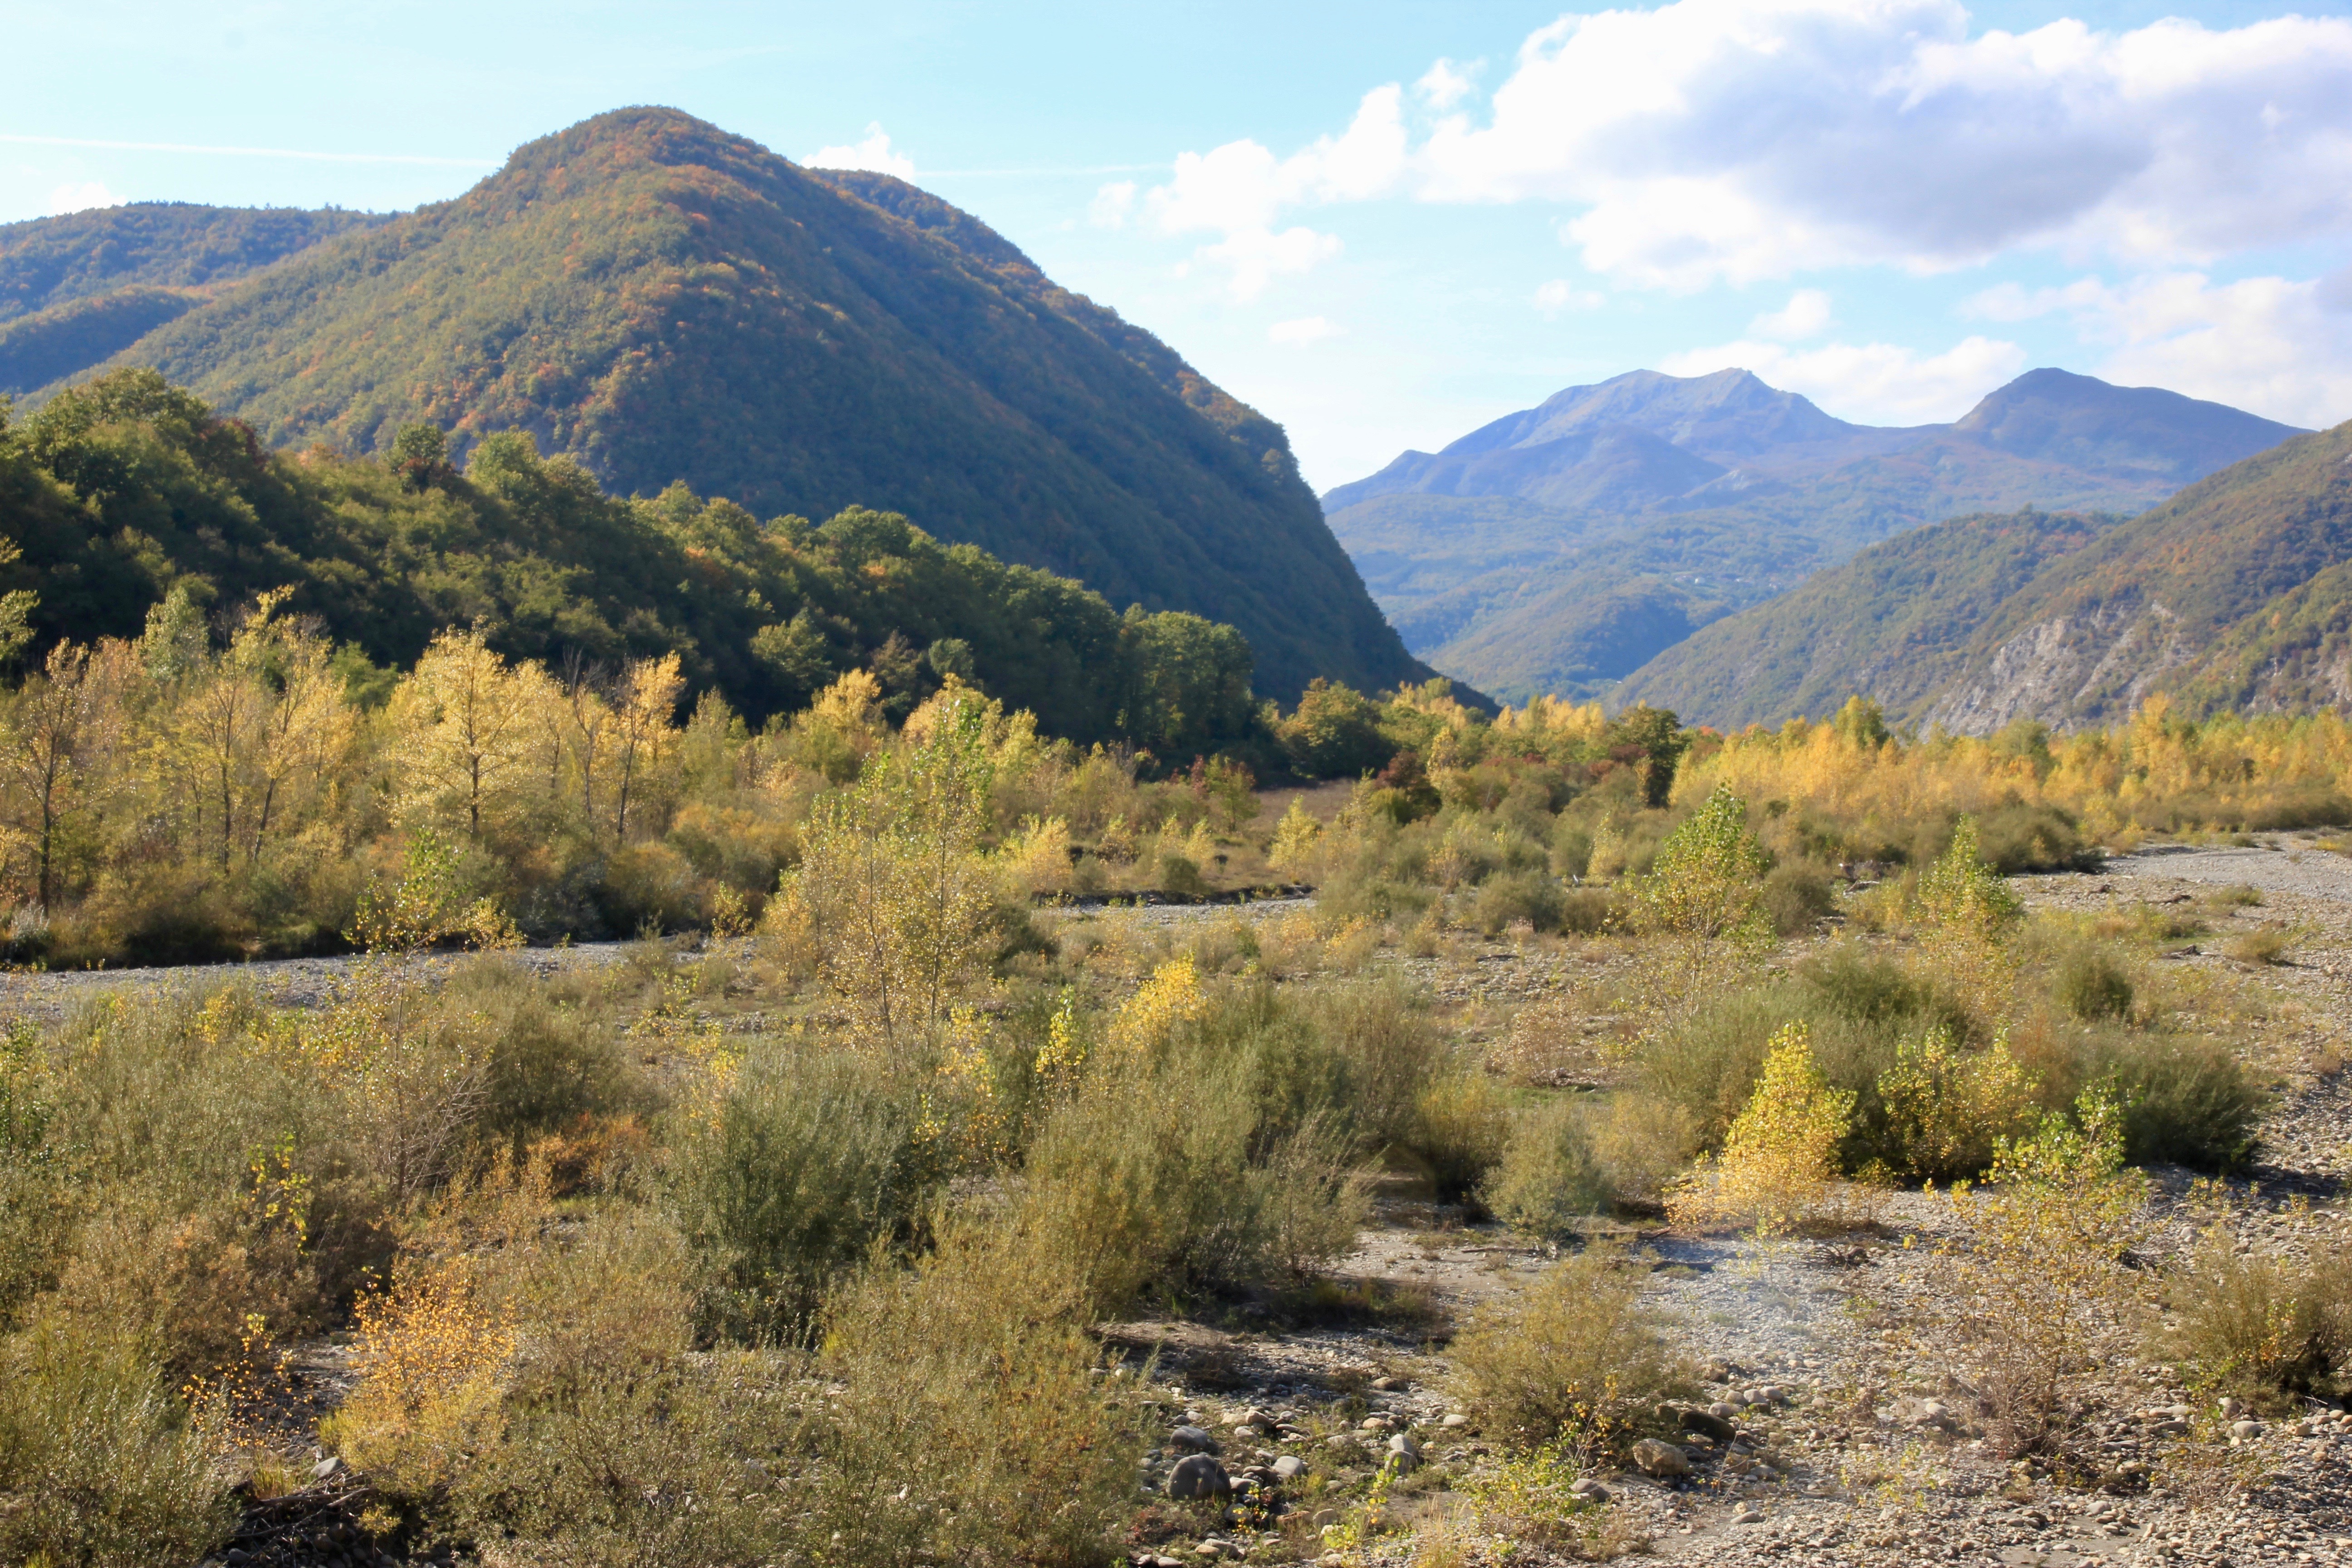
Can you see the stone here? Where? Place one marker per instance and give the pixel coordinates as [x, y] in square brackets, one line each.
[1197, 1476]
[1454, 1419]
[1747, 1516]
[1404, 1443]
[1718, 1428]
[1325, 1518]
[1389, 1384]
[1193, 1437]
[1338, 1440]
[1663, 1460]
[1289, 1468]
[1375, 1423]
[325, 1467]
[1588, 1489]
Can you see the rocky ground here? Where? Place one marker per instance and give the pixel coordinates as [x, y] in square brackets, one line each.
[1829, 1442]
[1805, 1469]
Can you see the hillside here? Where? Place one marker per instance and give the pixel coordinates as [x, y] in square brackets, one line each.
[126, 490]
[1508, 558]
[661, 301]
[2236, 594]
[76, 288]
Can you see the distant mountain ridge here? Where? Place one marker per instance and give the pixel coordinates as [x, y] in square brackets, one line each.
[1562, 547]
[662, 301]
[2235, 594]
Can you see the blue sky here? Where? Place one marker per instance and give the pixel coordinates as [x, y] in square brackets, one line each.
[1384, 222]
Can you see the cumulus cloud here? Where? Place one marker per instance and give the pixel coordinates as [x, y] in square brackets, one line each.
[1559, 295]
[1806, 315]
[1305, 329]
[1240, 189]
[1112, 203]
[82, 197]
[2278, 347]
[1713, 140]
[875, 153]
[1446, 84]
[1878, 384]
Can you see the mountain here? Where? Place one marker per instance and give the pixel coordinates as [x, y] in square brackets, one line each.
[2235, 594]
[661, 301]
[1560, 548]
[76, 288]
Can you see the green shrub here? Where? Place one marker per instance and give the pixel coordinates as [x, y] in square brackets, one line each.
[2187, 1100]
[1796, 896]
[1549, 1176]
[2090, 984]
[1586, 911]
[2267, 1327]
[1461, 1127]
[1391, 1048]
[553, 1055]
[1576, 1357]
[2013, 838]
[812, 1158]
[98, 1467]
[1507, 898]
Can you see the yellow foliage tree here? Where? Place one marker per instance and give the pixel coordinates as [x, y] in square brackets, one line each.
[1780, 1156]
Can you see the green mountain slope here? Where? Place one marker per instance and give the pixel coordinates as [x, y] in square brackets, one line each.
[127, 490]
[53, 261]
[1504, 559]
[662, 301]
[2237, 592]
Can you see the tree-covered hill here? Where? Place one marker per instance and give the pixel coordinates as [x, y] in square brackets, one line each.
[661, 301]
[2235, 594]
[52, 261]
[124, 490]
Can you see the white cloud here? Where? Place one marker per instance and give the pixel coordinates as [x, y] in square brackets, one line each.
[1241, 190]
[873, 154]
[1305, 329]
[1711, 139]
[1879, 383]
[1446, 84]
[1255, 257]
[2274, 346]
[78, 199]
[1559, 295]
[1806, 315]
[1112, 203]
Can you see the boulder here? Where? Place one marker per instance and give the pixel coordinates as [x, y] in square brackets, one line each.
[1694, 1419]
[1289, 1468]
[1196, 1438]
[1662, 1460]
[1197, 1476]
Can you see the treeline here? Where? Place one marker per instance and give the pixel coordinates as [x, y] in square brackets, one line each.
[124, 490]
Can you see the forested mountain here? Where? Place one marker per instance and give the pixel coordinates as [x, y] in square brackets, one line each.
[1560, 548]
[661, 301]
[2235, 594]
[79, 288]
[124, 491]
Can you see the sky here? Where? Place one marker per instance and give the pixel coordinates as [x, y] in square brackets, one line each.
[1386, 222]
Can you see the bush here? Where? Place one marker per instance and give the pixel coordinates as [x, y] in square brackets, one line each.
[1549, 1176]
[98, 1467]
[2014, 838]
[1796, 897]
[1507, 898]
[1575, 1357]
[1948, 1110]
[551, 1057]
[1780, 1153]
[2263, 946]
[2269, 1329]
[1391, 1049]
[1461, 1128]
[2186, 1100]
[2091, 985]
[811, 1157]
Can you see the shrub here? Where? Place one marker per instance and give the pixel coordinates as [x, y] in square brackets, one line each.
[2183, 1099]
[551, 1059]
[970, 1421]
[432, 1353]
[1707, 881]
[2015, 838]
[2036, 1302]
[1461, 1128]
[1796, 897]
[1949, 1111]
[1575, 1356]
[2256, 1324]
[1507, 898]
[98, 1466]
[2265, 944]
[810, 1158]
[2091, 985]
[1781, 1154]
[1392, 1050]
[1549, 1176]
[1642, 1143]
